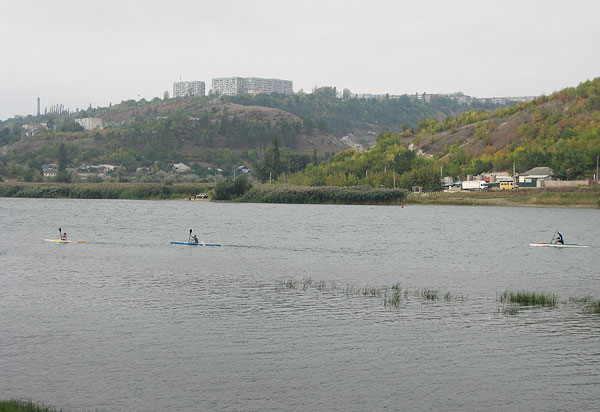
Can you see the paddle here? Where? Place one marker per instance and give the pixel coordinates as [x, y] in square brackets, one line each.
[60, 233]
[190, 237]
[553, 236]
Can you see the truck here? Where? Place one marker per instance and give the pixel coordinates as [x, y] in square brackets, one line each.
[474, 185]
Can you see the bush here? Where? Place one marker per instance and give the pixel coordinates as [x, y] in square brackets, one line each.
[230, 189]
[324, 194]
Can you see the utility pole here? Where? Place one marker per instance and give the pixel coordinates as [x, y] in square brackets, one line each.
[514, 176]
[597, 178]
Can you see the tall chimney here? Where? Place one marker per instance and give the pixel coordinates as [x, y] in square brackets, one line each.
[38, 112]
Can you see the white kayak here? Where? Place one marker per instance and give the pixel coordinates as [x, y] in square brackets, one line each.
[558, 245]
[64, 241]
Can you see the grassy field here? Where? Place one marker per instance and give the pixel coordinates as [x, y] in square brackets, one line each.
[582, 196]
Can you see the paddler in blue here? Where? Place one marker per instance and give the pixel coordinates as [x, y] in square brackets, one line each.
[192, 238]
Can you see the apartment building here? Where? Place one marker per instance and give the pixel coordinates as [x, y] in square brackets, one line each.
[229, 86]
[251, 85]
[188, 88]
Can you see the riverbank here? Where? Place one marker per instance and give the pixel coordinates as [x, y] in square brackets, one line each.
[136, 191]
[581, 196]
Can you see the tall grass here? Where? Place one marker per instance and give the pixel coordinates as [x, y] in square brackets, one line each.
[101, 190]
[323, 194]
[525, 298]
[593, 307]
[393, 296]
[25, 406]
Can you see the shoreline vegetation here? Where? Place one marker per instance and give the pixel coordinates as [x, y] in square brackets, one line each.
[134, 191]
[353, 195]
[25, 406]
[582, 196]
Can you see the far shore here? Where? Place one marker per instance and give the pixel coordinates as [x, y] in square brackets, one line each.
[571, 197]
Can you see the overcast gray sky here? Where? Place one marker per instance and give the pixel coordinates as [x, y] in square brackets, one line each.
[77, 52]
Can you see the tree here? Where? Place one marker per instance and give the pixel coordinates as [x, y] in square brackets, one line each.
[270, 167]
[63, 160]
[230, 189]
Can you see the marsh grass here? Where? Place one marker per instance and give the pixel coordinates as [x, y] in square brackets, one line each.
[429, 294]
[582, 299]
[288, 284]
[102, 190]
[511, 309]
[393, 296]
[353, 195]
[526, 298]
[25, 406]
[593, 307]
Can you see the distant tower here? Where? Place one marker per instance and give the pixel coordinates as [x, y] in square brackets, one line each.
[38, 106]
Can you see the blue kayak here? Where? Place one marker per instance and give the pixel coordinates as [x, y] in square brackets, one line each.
[195, 244]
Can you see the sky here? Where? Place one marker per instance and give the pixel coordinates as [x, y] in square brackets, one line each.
[78, 53]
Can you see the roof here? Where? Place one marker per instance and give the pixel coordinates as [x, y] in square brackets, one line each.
[539, 171]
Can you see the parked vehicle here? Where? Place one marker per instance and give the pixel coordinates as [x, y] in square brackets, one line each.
[474, 185]
[507, 186]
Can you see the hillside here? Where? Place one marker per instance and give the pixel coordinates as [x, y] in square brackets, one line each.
[221, 131]
[360, 119]
[561, 131]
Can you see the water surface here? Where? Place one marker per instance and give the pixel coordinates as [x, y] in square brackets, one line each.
[129, 322]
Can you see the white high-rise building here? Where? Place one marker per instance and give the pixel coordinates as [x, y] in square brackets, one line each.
[192, 88]
[252, 85]
[229, 86]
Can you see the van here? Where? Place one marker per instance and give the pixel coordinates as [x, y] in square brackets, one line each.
[507, 185]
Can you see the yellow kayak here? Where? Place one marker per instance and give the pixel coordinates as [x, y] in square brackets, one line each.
[64, 241]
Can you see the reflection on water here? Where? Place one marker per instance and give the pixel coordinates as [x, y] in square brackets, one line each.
[292, 313]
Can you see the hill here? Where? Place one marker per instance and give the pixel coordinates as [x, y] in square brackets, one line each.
[221, 131]
[561, 131]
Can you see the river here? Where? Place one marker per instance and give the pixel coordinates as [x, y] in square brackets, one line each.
[289, 313]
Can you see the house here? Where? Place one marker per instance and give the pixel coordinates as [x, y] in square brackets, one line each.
[50, 170]
[243, 169]
[180, 167]
[32, 129]
[97, 168]
[90, 123]
[536, 174]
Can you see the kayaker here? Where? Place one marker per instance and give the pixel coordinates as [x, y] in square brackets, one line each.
[63, 236]
[559, 238]
[195, 238]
